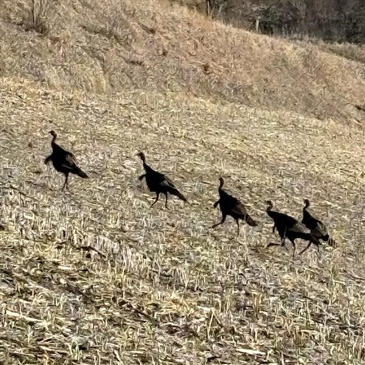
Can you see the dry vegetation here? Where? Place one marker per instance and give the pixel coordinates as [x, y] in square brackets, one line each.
[93, 276]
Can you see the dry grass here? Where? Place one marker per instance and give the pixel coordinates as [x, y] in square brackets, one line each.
[158, 286]
[111, 45]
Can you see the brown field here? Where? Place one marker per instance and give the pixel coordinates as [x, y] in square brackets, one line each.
[93, 275]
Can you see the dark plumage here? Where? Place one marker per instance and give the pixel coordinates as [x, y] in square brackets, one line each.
[317, 228]
[158, 183]
[289, 227]
[63, 161]
[229, 205]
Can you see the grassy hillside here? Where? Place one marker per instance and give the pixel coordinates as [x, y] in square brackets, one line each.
[94, 275]
[113, 46]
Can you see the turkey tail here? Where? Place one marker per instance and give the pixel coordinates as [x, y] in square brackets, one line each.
[250, 221]
[325, 238]
[328, 239]
[80, 173]
[307, 237]
[178, 194]
[48, 159]
[331, 241]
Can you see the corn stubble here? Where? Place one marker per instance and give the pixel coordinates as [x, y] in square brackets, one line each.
[92, 275]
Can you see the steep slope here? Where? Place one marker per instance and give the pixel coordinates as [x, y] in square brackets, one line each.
[113, 45]
[95, 276]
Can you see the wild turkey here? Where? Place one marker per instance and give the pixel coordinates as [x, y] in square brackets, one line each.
[289, 227]
[63, 161]
[229, 205]
[158, 183]
[317, 228]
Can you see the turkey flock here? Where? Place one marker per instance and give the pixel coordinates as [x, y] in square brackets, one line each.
[310, 229]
